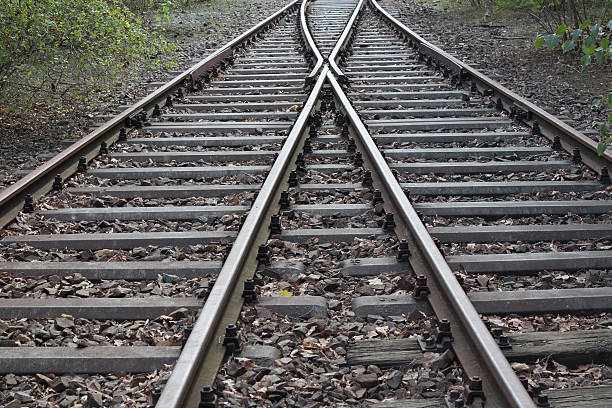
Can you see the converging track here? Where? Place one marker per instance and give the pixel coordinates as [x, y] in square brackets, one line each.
[327, 211]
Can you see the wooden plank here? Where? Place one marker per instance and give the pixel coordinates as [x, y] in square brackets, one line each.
[583, 397]
[568, 348]
[383, 353]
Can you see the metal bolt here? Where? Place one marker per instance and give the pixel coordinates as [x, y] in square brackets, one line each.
[275, 224]
[208, 398]
[556, 145]
[357, 160]
[82, 167]
[122, 135]
[250, 292]
[284, 200]
[156, 111]
[263, 257]
[230, 341]
[137, 123]
[389, 223]
[476, 383]
[293, 179]
[444, 325]
[421, 290]
[535, 129]
[403, 254]
[497, 331]
[103, 148]
[323, 105]
[57, 183]
[179, 93]
[28, 204]
[339, 119]
[542, 400]
[307, 146]
[504, 342]
[499, 105]
[155, 394]
[300, 160]
[367, 179]
[345, 130]
[351, 146]
[331, 106]
[377, 198]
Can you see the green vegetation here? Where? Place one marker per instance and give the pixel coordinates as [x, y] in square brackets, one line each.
[549, 14]
[604, 128]
[67, 48]
[574, 27]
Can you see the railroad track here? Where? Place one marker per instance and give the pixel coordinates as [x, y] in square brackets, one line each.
[327, 211]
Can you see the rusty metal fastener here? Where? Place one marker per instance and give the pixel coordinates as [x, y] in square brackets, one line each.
[57, 183]
[250, 291]
[421, 290]
[389, 223]
[208, 398]
[377, 198]
[275, 224]
[263, 256]
[28, 205]
[284, 201]
[82, 167]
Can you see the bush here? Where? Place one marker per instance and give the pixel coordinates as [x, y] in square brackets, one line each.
[61, 47]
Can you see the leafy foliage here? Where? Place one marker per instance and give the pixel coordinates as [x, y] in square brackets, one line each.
[592, 39]
[604, 128]
[55, 47]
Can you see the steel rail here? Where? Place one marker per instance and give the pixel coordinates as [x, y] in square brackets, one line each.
[547, 122]
[186, 368]
[310, 42]
[206, 324]
[509, 386]
[39, 181]
[341, 43]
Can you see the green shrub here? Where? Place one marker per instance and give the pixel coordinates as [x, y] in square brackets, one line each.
[592, 41]
[61, 47]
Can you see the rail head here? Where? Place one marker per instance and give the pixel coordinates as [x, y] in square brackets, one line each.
[309, 42]
[506, 382]
[536, 114]
[342, 42]
[39, 181]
